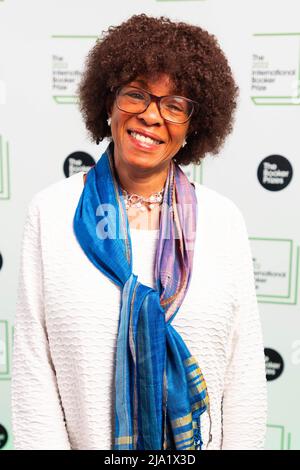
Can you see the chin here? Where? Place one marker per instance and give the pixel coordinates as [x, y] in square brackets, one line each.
[143, 162]
[142, 159]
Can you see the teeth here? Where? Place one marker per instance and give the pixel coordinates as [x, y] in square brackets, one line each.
[144, 139]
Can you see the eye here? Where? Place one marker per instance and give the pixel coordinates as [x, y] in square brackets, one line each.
[135, 95]
[174, 107]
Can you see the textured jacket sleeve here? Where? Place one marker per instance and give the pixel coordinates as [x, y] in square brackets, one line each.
[244, 405]
[37, 414]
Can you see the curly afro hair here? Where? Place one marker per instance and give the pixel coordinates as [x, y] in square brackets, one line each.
[148, 46]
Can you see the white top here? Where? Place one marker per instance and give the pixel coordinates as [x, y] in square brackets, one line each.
[67, 321]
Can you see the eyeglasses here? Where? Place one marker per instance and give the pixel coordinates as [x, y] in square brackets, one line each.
[172, 108]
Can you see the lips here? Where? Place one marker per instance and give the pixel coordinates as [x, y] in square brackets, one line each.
[145, 137]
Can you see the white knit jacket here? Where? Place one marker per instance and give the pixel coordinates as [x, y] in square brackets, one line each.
[67, 320]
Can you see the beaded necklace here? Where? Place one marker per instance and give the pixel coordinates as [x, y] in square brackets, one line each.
[140, 202]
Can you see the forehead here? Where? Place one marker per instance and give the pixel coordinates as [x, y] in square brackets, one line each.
[159, 85]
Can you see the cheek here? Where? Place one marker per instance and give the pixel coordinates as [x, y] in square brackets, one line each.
[178, 135]
[117, 125]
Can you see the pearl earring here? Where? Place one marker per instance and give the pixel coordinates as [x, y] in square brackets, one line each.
[109, 121]
[184, 143]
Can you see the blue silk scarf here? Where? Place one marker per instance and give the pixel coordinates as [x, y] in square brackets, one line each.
[160, 391]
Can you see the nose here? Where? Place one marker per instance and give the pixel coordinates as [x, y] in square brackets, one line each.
[151, 116]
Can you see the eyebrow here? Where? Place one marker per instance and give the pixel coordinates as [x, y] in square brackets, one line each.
[141, 82]
[145, 85]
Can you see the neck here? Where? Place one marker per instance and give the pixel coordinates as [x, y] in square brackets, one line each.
[144, 183]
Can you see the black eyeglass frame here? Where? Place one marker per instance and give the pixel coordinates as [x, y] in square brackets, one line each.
[157, 100]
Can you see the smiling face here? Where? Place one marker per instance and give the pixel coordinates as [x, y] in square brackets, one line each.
[145, 142]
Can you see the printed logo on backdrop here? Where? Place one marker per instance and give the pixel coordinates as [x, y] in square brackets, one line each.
[275, 172]
[276, 270]
[4, 169]
[76, 162]
[274, 364]
[3, 436]
[276, 69]
[68, 57]
[277, 438]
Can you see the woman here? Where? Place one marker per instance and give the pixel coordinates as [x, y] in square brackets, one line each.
[137, 324]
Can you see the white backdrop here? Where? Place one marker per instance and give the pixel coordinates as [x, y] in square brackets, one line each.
[42, 50]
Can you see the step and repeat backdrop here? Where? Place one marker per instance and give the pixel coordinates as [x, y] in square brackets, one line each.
[42, 140]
